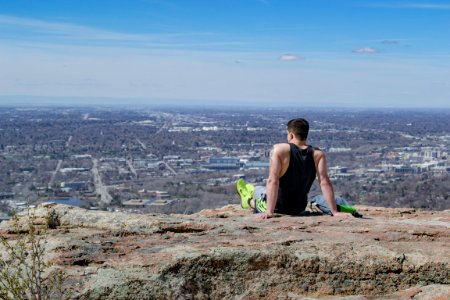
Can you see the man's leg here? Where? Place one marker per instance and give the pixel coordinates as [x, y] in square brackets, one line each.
[252, 196]
[259, 200]
[342, 205]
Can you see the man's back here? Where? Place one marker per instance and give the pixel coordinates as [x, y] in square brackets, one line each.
[296, 181]
[297, 133]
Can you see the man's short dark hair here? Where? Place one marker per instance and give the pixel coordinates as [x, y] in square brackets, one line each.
[299, 127]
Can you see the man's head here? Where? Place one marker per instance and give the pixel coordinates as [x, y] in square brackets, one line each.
[299, 128]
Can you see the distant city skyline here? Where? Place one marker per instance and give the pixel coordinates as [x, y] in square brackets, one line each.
[322, 53]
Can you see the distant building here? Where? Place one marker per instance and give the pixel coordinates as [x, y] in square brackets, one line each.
[430, 154]
[158, 195]
[75, 185]
[343, 175]
[123, 189]
[396, 168]
[6, 195]
[424, 167]
[337, 170]
[223, 163]
[374, 171]
[26, 169]
[404, 169]
[257, 165]
[171, 157]
[161, 202]
[81, 156]
[338, 149]
[68, 170]
[136, 203]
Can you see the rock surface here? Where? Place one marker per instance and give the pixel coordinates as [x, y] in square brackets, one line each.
[227, 254]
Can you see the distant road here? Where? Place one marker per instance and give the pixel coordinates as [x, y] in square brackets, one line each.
[58, 166]
[100, 189]
[142, 144]
[170, 168]
[130, 165]
[68, 141]
[52, 179]
[167, 124]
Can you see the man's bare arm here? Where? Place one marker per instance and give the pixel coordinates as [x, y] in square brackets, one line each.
[273, 181]
[326, 186]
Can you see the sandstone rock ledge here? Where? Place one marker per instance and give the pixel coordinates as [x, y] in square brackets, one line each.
[227, 254]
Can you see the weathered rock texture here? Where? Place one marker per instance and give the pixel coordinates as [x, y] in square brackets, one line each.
[227, 254]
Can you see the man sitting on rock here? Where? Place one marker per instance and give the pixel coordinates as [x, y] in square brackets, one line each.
[293, 168]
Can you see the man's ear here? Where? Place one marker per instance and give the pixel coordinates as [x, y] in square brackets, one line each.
[290, 136]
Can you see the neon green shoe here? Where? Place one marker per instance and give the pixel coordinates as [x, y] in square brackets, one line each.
[349, 209]
[260, 205]
[250, 190]
[345, 208]
[245, 194]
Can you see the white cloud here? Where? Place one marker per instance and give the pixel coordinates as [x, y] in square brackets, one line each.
[366, 50]
[289, 57]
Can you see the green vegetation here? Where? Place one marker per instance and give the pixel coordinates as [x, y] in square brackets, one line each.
[24, 274]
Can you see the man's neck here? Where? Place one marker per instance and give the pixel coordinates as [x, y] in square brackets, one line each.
[300, 144]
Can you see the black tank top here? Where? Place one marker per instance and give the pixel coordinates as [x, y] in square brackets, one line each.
[296, 182]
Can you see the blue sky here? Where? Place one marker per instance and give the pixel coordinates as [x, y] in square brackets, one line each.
[314, 53]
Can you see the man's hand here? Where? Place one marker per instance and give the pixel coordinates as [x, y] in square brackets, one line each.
[262, 216]
[341, 215]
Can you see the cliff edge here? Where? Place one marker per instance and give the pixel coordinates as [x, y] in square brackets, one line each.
[227, 254]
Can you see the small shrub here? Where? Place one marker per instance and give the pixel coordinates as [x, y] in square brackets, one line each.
[52, 219]
[22, 267]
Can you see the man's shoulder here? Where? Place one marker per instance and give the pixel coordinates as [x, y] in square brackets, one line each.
[318, 153]
[317, 150]
[282, 147]
[281, 150]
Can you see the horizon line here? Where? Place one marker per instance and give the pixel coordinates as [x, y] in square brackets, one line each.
[87, 102]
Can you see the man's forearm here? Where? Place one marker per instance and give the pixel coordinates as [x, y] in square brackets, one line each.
[328, 194]
[272, 195]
